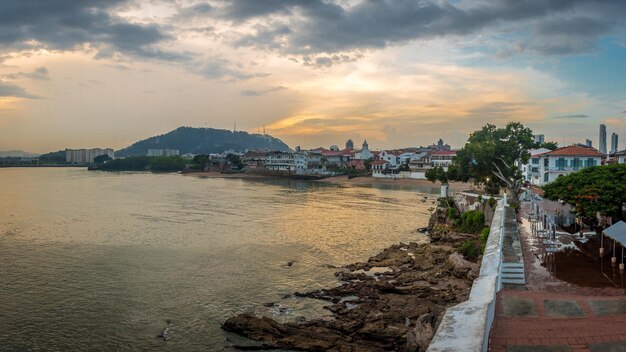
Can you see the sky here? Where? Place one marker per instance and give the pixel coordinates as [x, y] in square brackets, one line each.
[91, 73]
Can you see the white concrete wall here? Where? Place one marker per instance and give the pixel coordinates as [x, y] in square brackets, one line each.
[466, 326]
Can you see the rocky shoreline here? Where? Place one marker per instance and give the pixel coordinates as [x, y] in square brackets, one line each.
[394, 301]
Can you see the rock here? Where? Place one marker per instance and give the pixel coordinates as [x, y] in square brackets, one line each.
[418, 289]
[463, 267]
[418, 338]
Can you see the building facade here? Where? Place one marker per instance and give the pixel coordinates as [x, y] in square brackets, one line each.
[86, 156]
[614, 142]
[563, 161]
[602, 142]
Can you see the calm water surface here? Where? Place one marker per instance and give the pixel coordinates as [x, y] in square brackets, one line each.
[102, 261]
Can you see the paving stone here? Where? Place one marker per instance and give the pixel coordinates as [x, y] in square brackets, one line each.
[519, 307]
[619, 346]
[608, 307]
[538, 349]
[562, 308]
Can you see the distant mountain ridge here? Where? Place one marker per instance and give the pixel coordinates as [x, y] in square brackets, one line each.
[17, 154]
[204, 141]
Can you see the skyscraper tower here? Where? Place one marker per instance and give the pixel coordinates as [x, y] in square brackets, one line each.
[614, 142]
[602, 143]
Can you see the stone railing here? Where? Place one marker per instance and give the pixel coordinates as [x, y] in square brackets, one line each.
[466, 326]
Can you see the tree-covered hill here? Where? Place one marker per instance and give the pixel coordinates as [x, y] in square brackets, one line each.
[204, 141]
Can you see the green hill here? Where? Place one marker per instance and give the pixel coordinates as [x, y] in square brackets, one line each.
[204, 141]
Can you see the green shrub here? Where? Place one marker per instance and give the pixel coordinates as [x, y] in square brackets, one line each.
[453, 213]
[472, 221]
[471, 249]
[492, 202]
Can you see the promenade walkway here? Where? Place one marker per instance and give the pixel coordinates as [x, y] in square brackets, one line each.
[549, 315]
[543, 321]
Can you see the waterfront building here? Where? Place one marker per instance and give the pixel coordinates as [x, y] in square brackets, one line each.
[86, 156]
[280, 161]
[255, 159]
[379, 168]
[614, 142]
[442, 158]
[391, 157]
[565, 160]
[602, 142]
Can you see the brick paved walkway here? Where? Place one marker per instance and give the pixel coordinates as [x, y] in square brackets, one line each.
[542, 321]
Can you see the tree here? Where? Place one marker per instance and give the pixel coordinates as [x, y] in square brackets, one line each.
[491, 156]
[591, 190]
[101, 159]
[547, 145]
[235, 161]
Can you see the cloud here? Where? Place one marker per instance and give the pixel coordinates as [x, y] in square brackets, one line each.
[68, 24]
[575, 116]
[12, 90]
[217, 68]
[257, 93]
[39, 74]
[318, 27]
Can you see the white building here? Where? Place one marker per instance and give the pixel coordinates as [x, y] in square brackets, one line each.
[620, 157]
[391, 157]
[563, 161]
[379, 168]
[442, 158]
[86, 156]
[364, 153]
[280, 161]
[531, 171]
[162, 152]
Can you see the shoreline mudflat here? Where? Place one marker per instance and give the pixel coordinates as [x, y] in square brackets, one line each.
[393, 302]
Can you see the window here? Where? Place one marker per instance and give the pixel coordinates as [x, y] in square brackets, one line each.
[535, 161]
[546, 177]
[561, 163]
[591, 162]
[546, 163]
[577, 163]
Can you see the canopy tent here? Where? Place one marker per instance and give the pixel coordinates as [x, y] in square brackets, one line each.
[617, 232]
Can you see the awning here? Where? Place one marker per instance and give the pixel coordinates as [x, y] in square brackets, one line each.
[617, 232]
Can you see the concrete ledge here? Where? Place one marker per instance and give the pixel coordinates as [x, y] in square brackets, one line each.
[466, 326]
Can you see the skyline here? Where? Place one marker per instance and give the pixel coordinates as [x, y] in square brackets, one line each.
[314, 73]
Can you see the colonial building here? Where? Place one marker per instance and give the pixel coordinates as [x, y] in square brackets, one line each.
[563, 161]
[379, 168]
[254, 159]
[442, 158]
[530, 171]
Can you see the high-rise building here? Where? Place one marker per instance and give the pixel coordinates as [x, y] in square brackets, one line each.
[349, 144]
[589, 143]
[539, 138]
[614, 142]
[602, 142]
[86, 156]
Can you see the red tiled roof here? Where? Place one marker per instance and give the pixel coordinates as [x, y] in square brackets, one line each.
[444, 152]
[379, 162]
[574, 150]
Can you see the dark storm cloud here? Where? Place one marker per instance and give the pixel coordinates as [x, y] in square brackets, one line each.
[313, 27]
[12, 90]
[66, 24]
